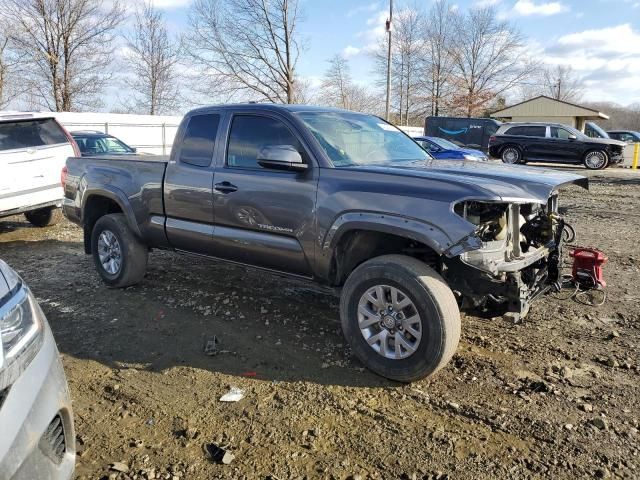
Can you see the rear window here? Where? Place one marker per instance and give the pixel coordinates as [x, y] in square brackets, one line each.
[199, 140]
[530, 131]
[30, 134]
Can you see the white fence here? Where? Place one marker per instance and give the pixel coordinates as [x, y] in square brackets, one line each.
[148, 133]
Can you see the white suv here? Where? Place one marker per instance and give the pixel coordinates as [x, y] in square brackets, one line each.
[33, 151]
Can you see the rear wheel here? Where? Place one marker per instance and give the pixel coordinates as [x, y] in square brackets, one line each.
[511, 155]
[41, 217]
[120, 258]
[400, 317]
[596, 160]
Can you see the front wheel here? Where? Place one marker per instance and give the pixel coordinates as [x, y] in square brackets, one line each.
[400, 317]
[42, 217]
[596, 160]
[120, 258]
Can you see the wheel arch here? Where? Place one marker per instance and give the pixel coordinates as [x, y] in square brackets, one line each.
[103, 202]
[357, 237]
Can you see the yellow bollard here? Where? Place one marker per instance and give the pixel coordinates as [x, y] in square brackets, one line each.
[636, 151]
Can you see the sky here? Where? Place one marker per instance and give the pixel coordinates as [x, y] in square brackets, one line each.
[599, 39]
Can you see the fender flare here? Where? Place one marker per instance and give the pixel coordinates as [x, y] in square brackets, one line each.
[418, 230]
[116, 195]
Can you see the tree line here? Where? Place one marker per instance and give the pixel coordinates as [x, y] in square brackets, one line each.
[60, 55]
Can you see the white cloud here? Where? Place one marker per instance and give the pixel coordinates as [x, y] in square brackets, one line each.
[351, 51]
[608, 60]
[530, 7]
[368, 8]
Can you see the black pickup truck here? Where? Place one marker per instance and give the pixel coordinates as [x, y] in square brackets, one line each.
[339, 198]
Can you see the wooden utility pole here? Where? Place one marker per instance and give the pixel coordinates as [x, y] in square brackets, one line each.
[388, 25]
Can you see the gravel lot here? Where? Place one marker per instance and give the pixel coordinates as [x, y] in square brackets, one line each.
[556, 397]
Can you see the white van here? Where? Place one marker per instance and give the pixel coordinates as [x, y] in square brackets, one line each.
[33, 151]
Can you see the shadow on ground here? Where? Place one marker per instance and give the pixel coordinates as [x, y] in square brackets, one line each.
[268, 327]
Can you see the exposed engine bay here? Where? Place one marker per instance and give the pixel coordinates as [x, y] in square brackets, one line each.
[518, 259]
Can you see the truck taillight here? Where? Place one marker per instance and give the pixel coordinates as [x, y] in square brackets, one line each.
[74, 144]
[63, 176]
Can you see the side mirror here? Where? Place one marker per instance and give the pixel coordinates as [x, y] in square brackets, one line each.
[281, 157]
[572, 137]
[134, 149]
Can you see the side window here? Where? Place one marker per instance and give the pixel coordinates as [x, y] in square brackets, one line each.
[199, 140]
[560, 133]
[531, 131]
[250, 133]
[536, 131]
[516, 131]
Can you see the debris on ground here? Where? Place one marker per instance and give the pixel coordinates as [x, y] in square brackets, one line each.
[211, 346]
[233, 395]
[219, 454]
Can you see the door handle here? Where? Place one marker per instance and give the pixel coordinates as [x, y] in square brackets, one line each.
[225, 187]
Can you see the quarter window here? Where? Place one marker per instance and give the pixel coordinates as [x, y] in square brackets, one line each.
[199, 140]
[250, 133]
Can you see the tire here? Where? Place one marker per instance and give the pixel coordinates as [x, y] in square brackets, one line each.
[120, 257]
[430, 297]
[596, 160]
[511, 155]
[42, 217]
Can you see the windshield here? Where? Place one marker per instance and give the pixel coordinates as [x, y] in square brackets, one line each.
[93, 145]
[442, 143]
[351, 139]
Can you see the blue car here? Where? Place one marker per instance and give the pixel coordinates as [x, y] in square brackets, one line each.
[442, 149]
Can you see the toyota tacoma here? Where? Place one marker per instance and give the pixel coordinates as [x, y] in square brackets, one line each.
[338, 198]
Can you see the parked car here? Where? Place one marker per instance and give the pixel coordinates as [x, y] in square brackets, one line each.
[341, 199]
[37, 438]
[445, 150]
[33, 150]
[552, 142]
[98, 143]
[464, 132]
[627, 136]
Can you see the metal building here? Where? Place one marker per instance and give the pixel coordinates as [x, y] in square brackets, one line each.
[547, 109]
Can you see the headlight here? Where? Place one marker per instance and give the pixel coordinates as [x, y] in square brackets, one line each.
[20, 330]
[475, 158]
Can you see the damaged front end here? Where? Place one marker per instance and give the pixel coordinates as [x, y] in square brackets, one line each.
[512, 258]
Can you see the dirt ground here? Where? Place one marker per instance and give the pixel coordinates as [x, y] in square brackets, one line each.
[557, 396]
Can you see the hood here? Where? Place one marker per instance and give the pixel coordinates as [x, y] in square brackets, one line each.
[471, 151]
[605, 141]
[508, 183]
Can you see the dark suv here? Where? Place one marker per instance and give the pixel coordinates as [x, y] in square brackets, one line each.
[553, 142]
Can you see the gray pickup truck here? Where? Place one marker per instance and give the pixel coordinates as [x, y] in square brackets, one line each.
[338, 198]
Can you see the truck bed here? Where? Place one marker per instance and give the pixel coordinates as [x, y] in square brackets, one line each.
[133, 183]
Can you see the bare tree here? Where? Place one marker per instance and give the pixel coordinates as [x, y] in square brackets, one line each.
[67, 44]
[407, 64]
[561, 83]
[152, 58]
[489, 59]
[439, 35]
[246, 47]
[5, 70]
[339, 90]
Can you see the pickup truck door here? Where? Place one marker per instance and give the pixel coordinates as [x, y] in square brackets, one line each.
[188, 182]
[264, 217]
